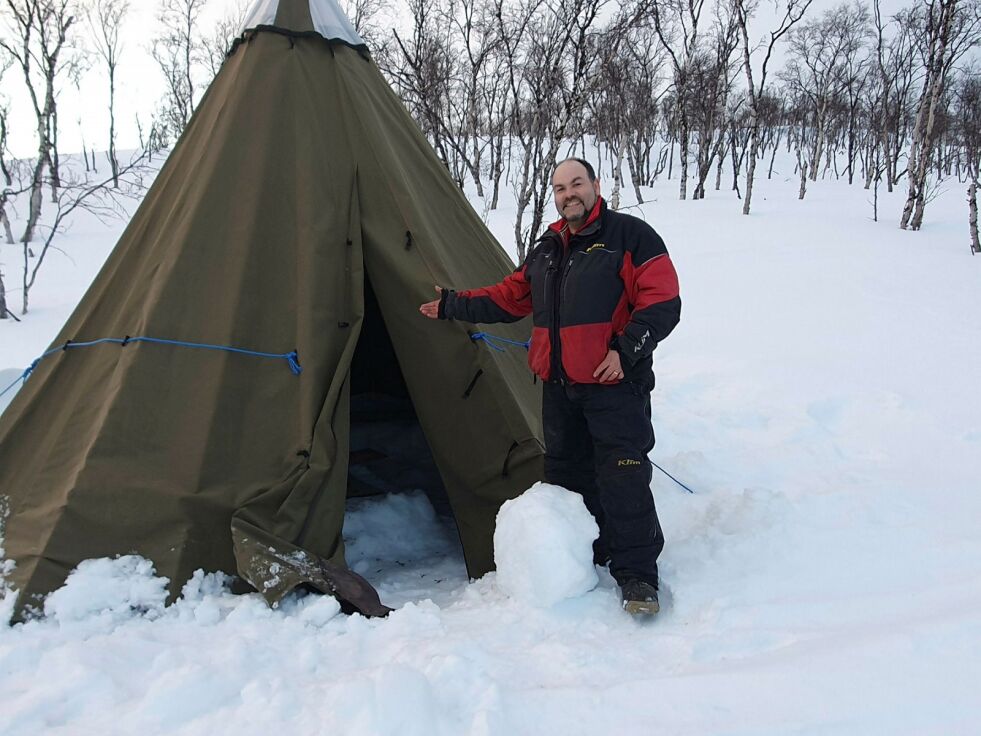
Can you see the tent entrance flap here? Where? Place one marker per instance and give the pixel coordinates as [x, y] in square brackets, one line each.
[389, 451]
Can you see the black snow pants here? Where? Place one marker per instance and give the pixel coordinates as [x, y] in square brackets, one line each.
[597, 439]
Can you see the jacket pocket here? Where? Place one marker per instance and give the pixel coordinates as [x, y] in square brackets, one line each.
[584, 347]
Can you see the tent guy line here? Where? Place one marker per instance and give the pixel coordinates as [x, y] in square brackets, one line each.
[491, 339]
[291, 357]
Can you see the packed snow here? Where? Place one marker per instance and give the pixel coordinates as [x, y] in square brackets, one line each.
[543, 546]
[819, 397]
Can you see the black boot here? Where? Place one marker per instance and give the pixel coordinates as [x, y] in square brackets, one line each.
[639, 598]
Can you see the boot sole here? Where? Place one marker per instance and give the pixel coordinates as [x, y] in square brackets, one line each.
[641, 608]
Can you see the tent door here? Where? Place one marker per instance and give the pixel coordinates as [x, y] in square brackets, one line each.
[389, 452]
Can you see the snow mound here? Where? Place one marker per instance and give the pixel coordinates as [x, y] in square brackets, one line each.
[398, 526]
[8, 378]
[6, 567]
[110, 588]
[543, 546]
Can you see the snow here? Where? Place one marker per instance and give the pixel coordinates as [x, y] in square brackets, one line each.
[112, 589]
[543, 546]
[820, 397]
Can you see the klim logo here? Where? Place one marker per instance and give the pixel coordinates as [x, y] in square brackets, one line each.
[598, 246]
[623, 463]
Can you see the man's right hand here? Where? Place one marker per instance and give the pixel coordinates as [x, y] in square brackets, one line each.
[431, 309]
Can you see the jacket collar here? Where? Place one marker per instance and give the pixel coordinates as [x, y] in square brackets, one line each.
[592, 224]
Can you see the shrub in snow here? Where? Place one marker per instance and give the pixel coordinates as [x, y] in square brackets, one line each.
[117, 589]
[543, 546]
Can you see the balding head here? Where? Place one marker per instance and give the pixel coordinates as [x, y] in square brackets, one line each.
[576, 189]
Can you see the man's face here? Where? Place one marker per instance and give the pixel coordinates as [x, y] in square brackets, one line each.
[575, 194]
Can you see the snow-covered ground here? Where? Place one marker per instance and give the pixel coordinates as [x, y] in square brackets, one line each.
[821, 398]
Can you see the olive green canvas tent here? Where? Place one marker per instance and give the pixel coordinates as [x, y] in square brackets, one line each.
[302, 217]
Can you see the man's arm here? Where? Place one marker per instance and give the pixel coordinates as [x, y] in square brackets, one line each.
[652, 289]
[507, 301]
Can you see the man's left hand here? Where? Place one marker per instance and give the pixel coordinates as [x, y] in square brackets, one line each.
[609, 370]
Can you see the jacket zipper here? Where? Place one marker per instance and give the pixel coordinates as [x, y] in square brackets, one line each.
[558, 288]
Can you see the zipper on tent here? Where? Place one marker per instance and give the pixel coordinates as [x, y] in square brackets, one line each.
[345, 293]
[353, 221]
[477, 375]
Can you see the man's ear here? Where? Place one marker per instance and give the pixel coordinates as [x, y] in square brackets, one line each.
[596, 186]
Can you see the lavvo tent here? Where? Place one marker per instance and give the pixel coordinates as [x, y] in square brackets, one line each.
[301, 218]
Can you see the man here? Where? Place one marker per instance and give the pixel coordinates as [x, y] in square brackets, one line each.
[602, 293]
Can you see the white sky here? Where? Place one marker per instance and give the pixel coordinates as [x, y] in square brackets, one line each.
[83, 111]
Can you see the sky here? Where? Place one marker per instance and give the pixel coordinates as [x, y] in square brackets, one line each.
[83, 110]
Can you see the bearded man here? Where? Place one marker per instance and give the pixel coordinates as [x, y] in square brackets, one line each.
[603, 293]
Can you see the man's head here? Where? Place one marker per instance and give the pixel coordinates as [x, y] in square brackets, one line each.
[576, 189]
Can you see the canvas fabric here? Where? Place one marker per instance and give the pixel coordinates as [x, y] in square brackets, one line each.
[299, 175]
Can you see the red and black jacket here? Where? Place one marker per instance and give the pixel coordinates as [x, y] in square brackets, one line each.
[610, 285]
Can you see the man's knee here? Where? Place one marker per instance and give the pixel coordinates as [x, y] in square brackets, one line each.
[625, 480]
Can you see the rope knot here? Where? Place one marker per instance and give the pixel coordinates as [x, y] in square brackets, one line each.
[293, 359]
[494, 341]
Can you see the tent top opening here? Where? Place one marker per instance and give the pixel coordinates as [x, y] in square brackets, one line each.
[319, 16]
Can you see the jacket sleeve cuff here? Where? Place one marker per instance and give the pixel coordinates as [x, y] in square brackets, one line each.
[627, 356]
[443, 298]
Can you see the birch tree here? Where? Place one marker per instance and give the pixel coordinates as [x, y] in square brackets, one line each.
[106, 19]
[5, 63]
[710, 75]
[177, 51]
[947, 30]
[215, 44]
[817, 73]
[34, 36]
[676, 24]
[967, 116]
[792, 13]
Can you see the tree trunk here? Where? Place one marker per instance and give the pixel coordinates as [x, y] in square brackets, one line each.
[617, 177]
[497, 168]
[802, 167]
[523, 198]
[923, 132]
[113, 160]
[3, 298]
[8, 233]
[25, 290]
[683, 158]
[635, 174]
[37, 181]
[54, 163]
[972, 205]
[817, 149]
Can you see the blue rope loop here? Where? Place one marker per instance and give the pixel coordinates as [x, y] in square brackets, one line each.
[494, 341]
[292, 358]
[672, 478]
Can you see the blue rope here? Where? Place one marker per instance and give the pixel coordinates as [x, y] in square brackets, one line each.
[23, 377]
[292, 358]
[492, 339]
[672, 477]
